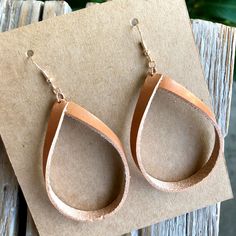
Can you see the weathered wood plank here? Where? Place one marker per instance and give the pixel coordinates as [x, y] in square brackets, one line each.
[30, 12]
[216, 45]
[9, 201]
[9, 14]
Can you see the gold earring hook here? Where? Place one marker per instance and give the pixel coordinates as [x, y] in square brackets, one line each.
[151, 62]
[57, 91]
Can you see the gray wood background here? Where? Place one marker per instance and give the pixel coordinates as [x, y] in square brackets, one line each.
[216, 44]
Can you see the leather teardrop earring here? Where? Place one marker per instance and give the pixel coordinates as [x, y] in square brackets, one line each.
[152, 84]
[60, 109]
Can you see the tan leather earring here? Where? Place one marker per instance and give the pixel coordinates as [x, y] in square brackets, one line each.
[60, 109]
[152, 83]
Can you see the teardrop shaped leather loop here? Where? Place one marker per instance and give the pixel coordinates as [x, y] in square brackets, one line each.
[80, 114]
[147, 93]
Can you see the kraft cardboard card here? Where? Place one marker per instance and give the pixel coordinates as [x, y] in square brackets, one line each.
[94, 56]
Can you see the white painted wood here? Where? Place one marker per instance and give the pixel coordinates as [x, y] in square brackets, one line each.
[216, 45]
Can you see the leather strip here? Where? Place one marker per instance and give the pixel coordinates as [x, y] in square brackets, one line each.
[59, 110]
[147, 93]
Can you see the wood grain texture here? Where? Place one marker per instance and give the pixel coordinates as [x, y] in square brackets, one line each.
[216, 44]
[9, 14]
[30, 12]
[55, 8]
[9, 201]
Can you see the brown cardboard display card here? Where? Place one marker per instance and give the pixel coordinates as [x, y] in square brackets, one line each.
[94, 56]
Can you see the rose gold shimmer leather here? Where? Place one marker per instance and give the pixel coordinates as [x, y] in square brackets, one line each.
[147, 93]
[59, 110]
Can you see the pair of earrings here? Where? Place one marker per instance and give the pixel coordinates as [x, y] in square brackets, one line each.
[153, 82]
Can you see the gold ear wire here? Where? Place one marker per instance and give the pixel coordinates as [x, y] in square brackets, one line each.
[29, 55]
[57, 91]
[151, 62]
